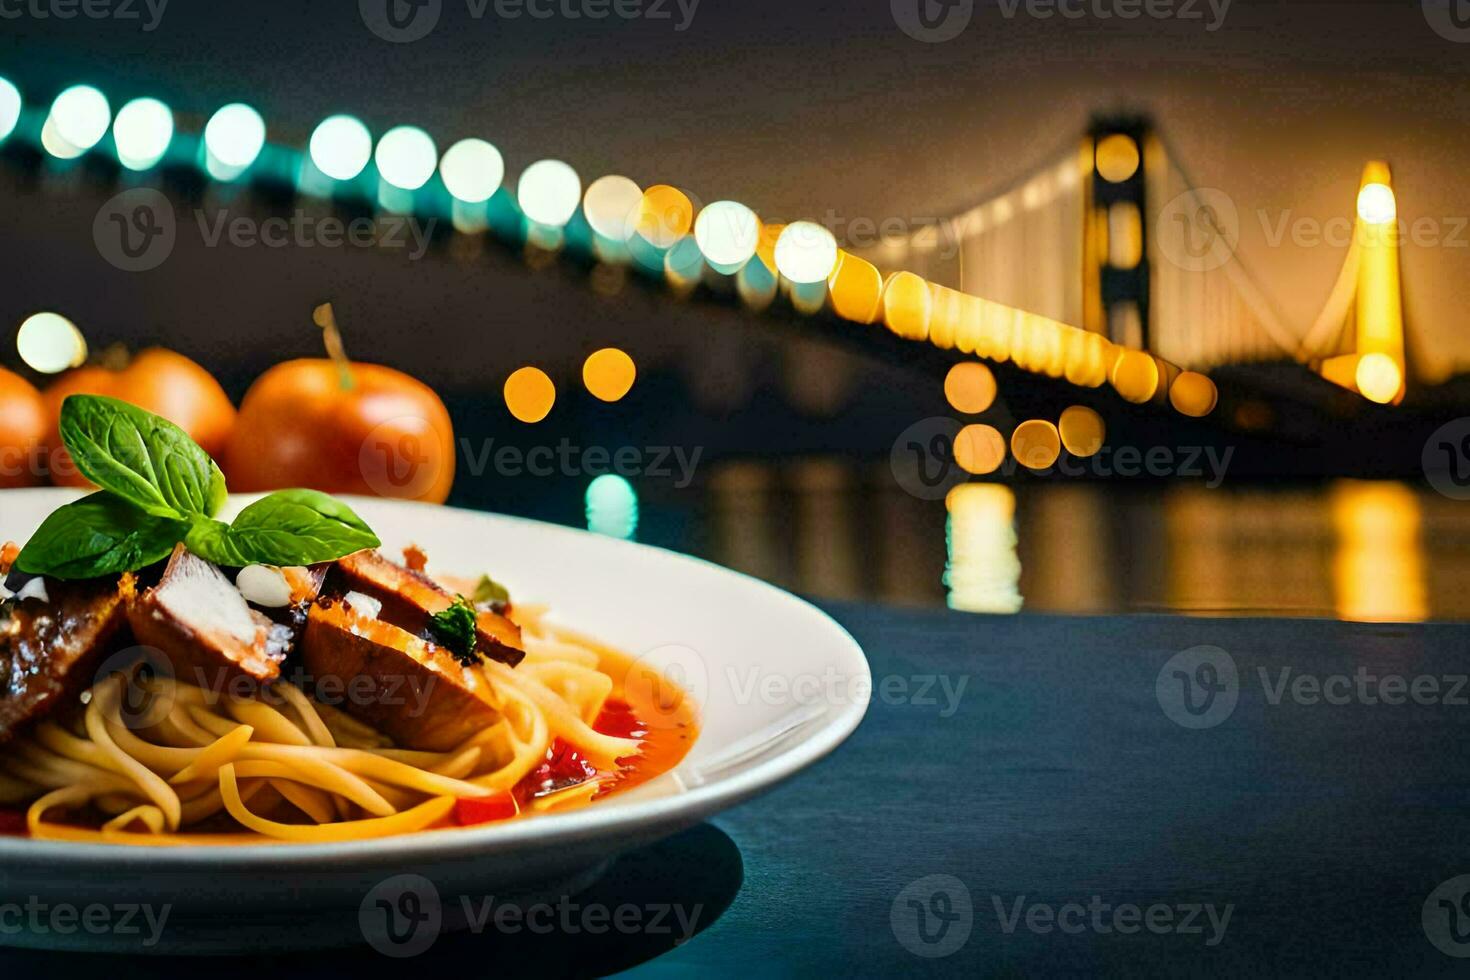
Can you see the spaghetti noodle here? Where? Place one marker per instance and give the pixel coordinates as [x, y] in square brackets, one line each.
[283, 766]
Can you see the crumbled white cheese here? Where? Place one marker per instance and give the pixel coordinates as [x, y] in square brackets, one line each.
[34, 589]
[264, 585]
[364, 605]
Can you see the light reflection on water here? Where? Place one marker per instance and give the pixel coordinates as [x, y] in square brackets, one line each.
[1356, 550]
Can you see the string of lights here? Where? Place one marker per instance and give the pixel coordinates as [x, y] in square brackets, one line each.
[657, 229]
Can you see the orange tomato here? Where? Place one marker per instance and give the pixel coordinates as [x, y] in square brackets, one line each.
[305, 424]
[22, 429]
[160, 381]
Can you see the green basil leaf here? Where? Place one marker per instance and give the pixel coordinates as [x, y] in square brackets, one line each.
[101, 534]
[141, 457]
[297, 527]
[212, 541]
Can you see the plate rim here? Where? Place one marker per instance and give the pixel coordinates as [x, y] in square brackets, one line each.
[546, 830]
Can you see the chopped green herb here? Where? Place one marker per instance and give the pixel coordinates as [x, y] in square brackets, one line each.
[491, 594]
[455, 629]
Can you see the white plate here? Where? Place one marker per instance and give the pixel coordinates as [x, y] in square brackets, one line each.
[779, 684]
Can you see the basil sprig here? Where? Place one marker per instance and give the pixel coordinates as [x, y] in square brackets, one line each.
[159, 488]
[141, 457]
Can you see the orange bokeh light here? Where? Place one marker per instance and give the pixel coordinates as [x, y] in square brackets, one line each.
[529, 394]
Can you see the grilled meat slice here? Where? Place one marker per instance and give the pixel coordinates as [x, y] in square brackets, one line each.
[409, 598]
[402, 685]
[50, 650]
[198, 619]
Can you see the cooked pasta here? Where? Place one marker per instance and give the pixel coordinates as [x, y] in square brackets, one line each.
[280, 765]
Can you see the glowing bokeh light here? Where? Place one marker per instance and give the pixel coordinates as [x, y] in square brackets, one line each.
[10, 103]
[856, 289]
[529, 394]
[728, 233]
[684, 266]
[983, 571]
[665, 215]
[50, 343]
[970, 387]
[806, 252]
[549, 192]
[979, 449]
[757, 285]
[1379, 378]
[1135, 375]
[341, 147]
[472, 170]
[609, 374]
[1036, 444]
[1193, 394]
[406, 157]
[609, 205]
[81, 116]
[1376, 204]
[1117, 158]
[1082, 430]
[907, 306]
[142, 132]
[53, 144]
[234, 137]
[612, 507]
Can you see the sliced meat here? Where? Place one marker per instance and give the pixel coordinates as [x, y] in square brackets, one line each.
[402, 685]
[50, 650]
[409, 598]
[198, 619]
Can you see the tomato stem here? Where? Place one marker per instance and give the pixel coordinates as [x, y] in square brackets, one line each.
[332, 337]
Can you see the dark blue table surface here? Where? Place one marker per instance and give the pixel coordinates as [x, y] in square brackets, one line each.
[1054, 795]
